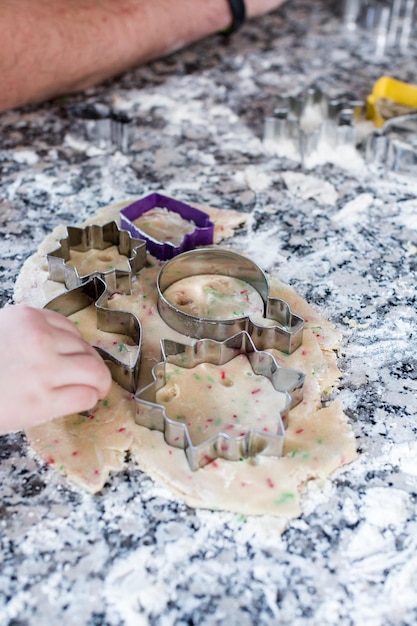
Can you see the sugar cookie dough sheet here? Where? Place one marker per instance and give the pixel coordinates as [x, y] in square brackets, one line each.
[88, 448]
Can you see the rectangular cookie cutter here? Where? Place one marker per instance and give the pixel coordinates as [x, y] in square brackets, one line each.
[202, 235]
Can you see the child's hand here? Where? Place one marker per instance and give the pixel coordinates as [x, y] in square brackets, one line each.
[46, 369]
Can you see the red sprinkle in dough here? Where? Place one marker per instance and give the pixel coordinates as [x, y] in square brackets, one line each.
[270, 483]
[299, 431]
[223, 375]
[255, 391]
[50, 460]
[75, 453]
[121, 430]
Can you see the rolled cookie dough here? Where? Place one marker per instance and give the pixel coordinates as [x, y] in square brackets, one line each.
[86, 449]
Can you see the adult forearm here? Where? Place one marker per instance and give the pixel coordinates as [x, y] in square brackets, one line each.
[52, 47]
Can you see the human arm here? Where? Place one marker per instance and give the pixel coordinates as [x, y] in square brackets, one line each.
[54, 47]
[46, 368]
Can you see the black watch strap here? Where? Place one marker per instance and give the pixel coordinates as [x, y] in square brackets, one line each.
[237, 7]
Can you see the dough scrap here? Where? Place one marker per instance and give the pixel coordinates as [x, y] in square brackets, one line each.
[88, 448]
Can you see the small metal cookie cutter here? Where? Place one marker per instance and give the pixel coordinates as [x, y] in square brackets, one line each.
[202, 235]
[331, 122]
[102, 125]
[222, 445]
[100, 238]
[108, 320]
[394, 147]
[286, 335]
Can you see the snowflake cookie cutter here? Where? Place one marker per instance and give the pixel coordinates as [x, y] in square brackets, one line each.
[153, 416]
[202, 235]
[98, 237]
[286, 335]
[95, 291]
[307, 119]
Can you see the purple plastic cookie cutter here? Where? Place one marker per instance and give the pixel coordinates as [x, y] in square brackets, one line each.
[202, 235]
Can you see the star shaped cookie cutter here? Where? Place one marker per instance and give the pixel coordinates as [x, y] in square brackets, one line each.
[202, 235]
[95, 291]
[97, 237]
[152, 415]
[286, 335]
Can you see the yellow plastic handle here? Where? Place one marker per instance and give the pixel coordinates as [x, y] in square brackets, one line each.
[390, 89]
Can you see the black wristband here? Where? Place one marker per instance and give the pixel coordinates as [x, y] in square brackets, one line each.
[238, 10]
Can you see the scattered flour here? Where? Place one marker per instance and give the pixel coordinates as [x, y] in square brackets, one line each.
[306, 186]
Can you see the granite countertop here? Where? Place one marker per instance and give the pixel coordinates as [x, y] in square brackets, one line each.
[345, 236]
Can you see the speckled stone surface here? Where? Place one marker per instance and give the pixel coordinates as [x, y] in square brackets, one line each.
[131, 555]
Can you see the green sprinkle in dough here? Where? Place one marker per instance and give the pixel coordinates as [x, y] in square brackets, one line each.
[178, 417]
[319, 441]
[121, 347]
[210, 379]
[241, 518]
[285, 497]
[197, 377]
[218, 421]
[105, 402]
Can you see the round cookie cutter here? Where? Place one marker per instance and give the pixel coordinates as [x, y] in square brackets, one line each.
[286, 335]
